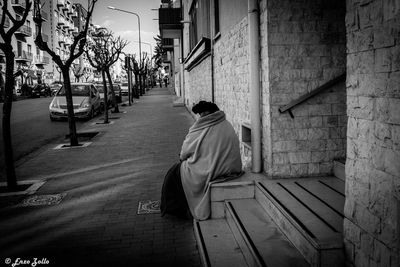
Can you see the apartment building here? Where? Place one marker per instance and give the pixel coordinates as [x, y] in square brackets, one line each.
[27, 56]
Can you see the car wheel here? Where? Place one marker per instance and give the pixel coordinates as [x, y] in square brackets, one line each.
[52, 119]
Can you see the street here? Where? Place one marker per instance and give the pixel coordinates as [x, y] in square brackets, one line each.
[31, 128]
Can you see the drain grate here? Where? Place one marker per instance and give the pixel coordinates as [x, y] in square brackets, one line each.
[148, 207]
[42, 200]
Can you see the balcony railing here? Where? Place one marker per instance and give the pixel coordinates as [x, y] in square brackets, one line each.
[45, 16]
[42, 60]
[18, 5]
[24, 30]
[60, 3]
[24, 56]
[169, 18]
[61, 21]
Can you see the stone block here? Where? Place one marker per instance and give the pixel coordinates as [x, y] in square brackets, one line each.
[380, 253]
[313, 168]
[299, 157]
[360, 107]
[280, 170]
[365, 62]
[334, 144]
[319, 133]
[383, 60]
[383, 37]
[382, 109]
[284, 146]
[391, 9]
[367, 243]
[330, 121]
[369, 222]
[339, 109]
[394, 111]
[316, 121]
[395, 133]
[280, 158]
[311, 145]
[299, 169]
[396, 58]
[335, 133]
[392, 159]
[317, 156]
[351, 232]
[360, 40]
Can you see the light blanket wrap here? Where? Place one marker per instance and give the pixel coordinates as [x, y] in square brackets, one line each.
[210, 153]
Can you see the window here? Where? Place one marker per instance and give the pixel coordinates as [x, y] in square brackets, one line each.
[19, 48]
[29, 49]
[28, 23]
[216, 16]
[199, 21]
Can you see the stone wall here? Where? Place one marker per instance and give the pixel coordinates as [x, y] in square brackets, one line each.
[231, 66]
[372, 209]
[303, 46]
[198, 83]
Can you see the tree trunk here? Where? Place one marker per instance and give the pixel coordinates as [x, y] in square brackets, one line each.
[105, 97]
[114, 99]
[7, 105]
[136, 85]
[73, 137]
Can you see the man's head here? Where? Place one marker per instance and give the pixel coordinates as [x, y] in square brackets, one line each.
[204, 108]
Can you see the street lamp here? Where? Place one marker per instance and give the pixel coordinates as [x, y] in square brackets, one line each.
[138, 17]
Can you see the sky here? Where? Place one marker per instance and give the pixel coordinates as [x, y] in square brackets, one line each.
[126, 25]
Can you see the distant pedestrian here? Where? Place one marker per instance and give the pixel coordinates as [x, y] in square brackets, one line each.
[166, 81]
[209, 154]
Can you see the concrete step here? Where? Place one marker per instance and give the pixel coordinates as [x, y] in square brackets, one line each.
[339, 169]
[260, 239]
[217, 245]
[309, 211]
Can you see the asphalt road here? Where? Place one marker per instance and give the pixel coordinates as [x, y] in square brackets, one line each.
[31, 128]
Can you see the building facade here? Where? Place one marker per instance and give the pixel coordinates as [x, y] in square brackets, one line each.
[328, 78]
[28, 57]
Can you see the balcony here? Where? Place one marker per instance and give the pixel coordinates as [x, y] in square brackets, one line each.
[167, 44]
[45, 37]
[61, 39]
[45, 16]
[6, 21]
[60, 3]
[24, 56]
[170, 22]
[42, 60]
[61, 21]
[25, 30]
[18, 5]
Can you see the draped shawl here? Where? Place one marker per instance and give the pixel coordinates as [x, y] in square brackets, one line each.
[210, 153]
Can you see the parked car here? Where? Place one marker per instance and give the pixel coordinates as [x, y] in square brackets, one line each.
[86, 101]
[124, 88]
[54, 87]
[100, 88]
[41, 90]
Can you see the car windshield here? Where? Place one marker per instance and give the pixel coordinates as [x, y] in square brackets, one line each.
[100, 88]
[77, 90]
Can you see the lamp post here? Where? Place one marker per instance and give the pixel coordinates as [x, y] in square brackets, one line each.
[140, 42]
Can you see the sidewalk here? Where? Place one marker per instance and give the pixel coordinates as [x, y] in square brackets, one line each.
[96, 223]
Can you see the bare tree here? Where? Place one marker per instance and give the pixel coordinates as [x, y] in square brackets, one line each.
[6, 47]
[102, 53]
[76, 50]
[78, 70]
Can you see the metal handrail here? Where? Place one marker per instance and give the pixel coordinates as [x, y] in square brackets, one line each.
[317, 90]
